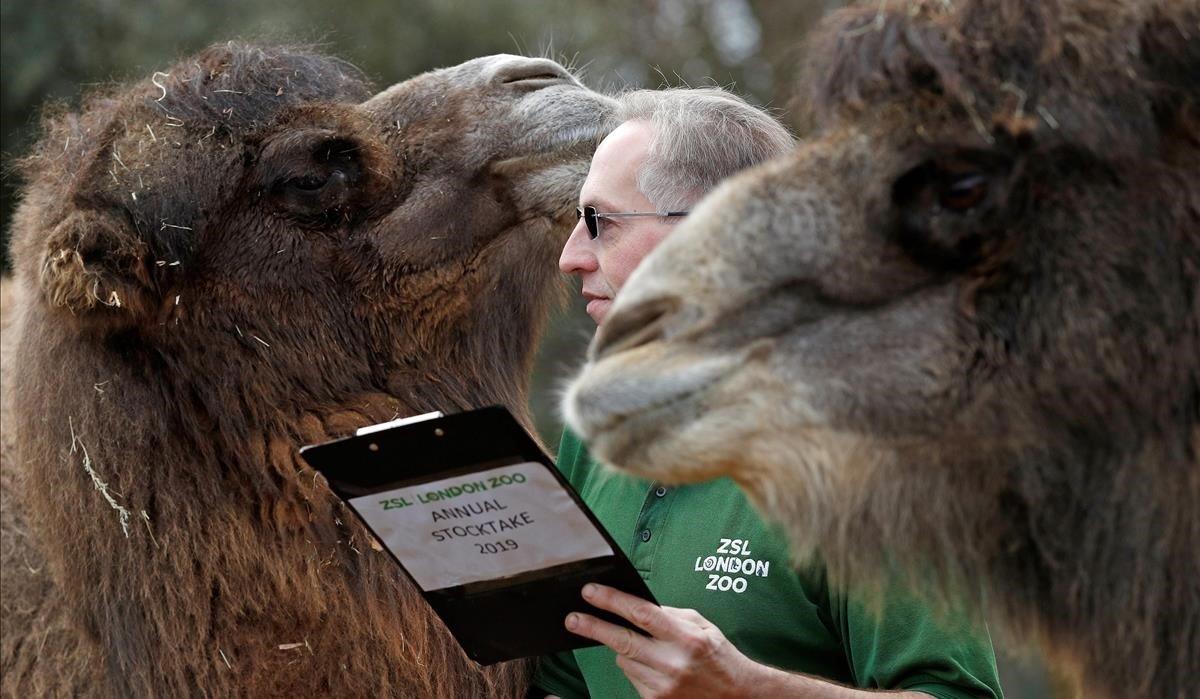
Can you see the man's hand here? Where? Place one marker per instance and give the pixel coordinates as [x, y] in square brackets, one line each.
[684, 656]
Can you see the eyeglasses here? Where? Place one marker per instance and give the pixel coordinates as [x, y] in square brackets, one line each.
[591, 217]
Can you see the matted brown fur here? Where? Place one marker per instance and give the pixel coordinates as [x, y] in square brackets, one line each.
[33, 619]
[958, 328]
[238, 256]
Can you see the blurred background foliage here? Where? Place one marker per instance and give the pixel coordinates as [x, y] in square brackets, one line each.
[52, 51]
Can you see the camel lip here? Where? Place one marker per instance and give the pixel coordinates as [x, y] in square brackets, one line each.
[590, 134]
[565, 141]
[547, 155]
[626, 397]
[648, 420]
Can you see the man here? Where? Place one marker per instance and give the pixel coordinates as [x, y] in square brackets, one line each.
[741, 620]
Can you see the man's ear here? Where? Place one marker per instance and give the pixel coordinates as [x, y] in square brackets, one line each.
[94, 265]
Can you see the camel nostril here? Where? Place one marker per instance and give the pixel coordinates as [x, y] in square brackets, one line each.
[634, 326]
[533, 73]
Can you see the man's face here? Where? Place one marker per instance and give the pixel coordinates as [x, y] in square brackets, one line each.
[605, 263]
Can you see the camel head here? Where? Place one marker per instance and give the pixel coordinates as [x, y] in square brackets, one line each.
[263, 200]
[955, 254]
[960, 325]
[243, 253]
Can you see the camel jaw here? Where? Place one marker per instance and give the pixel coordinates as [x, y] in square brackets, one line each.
[573, 144]
[636, 407]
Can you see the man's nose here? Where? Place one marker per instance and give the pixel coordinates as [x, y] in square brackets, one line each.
[577, 256]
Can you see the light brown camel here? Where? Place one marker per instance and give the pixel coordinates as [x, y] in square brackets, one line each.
[959, 328]
[240, 255]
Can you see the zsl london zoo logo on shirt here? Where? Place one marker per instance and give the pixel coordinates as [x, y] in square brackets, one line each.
[730, 565]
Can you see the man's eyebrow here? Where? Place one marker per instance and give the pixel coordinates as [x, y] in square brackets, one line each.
[601, 205]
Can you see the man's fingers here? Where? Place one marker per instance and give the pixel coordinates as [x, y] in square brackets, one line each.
[645, 615]
[623, 641]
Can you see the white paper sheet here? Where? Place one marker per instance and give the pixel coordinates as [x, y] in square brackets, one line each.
[482, 526]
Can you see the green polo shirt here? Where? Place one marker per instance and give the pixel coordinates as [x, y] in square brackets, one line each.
[704, 547]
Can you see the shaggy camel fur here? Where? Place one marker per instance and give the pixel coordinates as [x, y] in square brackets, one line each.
[959, 328]
[243, 254]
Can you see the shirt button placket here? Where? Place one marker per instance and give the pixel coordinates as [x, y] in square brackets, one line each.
[651, 519]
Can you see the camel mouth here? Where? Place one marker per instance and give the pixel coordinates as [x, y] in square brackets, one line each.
[628, 399]
[589, 135]
[574, 144]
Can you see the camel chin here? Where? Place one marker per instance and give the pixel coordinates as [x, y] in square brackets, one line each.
[674, 414]
[641, 398]
[678, 416]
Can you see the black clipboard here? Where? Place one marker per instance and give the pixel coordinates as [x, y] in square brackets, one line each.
[519, 614]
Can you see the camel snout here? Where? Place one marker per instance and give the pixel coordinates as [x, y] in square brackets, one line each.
[633, 326]
[531, 73]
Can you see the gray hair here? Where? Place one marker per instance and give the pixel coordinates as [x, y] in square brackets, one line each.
[701, 136]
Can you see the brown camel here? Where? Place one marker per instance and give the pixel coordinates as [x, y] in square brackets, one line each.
[240, 255]
[958, 328]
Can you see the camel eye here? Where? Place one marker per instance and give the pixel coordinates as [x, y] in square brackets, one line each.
[317, 175]
[950, 210]
[315, 195]
[964, 192]
[307, 184]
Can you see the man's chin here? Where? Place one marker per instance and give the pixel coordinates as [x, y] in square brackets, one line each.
[598, 309]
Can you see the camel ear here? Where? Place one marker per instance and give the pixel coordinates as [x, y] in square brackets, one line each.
[1170, 47]
[94, 266]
